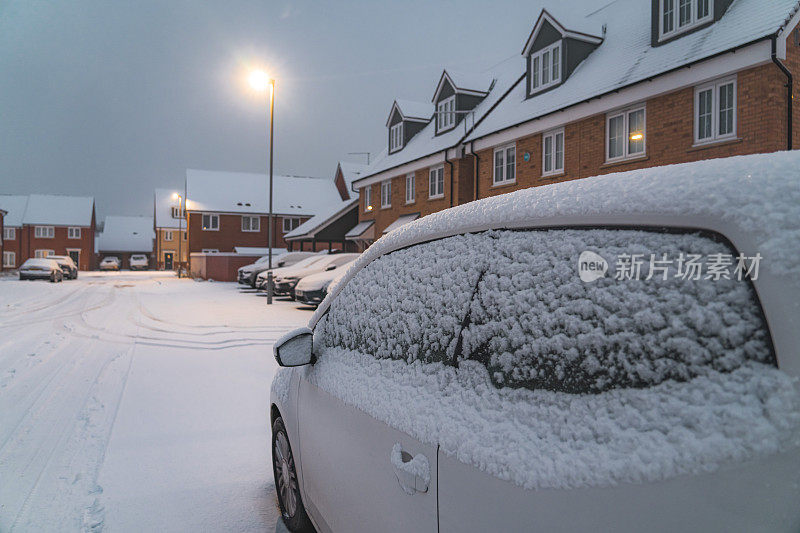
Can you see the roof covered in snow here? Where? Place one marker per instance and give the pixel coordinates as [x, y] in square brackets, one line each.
[320, 221]
[164, 202]
[49, 209]
[126, 234]
[626, 55]
[14, 205]
[351, 172]
[240, 192]
[413, 110]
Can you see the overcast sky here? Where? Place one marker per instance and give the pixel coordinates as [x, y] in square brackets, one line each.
[113, 98]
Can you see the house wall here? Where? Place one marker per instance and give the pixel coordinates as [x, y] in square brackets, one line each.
[230, 233]
[27, 244]
[162, 246]
[219, 267]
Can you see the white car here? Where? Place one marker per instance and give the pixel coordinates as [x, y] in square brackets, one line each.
[41, 268]
[110, 263]
[248, 274]
[138, 262]
[261, 279]
[286, 281]
[616, 353]
[67, 265]
[312, 289]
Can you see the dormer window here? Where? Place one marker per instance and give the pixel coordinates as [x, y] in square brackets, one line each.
[446, 113]
[396, 137]
[678, 16]
[546, 67]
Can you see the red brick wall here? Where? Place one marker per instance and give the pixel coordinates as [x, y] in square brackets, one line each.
[341, 185]
[218, 267]
[27, 244]
[230, 233]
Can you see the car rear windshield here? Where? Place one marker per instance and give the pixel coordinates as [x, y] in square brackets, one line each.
[515, 302]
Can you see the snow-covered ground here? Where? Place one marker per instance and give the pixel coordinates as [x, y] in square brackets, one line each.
[136, 402]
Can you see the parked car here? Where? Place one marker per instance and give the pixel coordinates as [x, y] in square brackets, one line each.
[285, 282]
[248, 274]
[41, 268]
[67, 265]
[110, 263]
[553, 359]
[139, 262]
[261, 279]
[311, 290]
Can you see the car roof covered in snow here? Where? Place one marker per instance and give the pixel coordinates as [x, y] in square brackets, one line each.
[754, 201]
[241, 192]
[127, 234]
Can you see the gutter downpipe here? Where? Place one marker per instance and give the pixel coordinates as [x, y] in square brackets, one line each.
[475, 167]
[789, 87]
[451, 176]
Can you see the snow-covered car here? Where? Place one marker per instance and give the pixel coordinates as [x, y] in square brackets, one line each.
[617, 353]
[110, 263]
[285, 282]
[41, 268]
[248, 274]
[261, 279]
[138, 262]
[67, 265]
[312, 289]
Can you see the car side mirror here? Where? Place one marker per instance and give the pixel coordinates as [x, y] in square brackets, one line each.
[295, 348]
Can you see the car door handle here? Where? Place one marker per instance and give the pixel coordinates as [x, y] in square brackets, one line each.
[413, 473]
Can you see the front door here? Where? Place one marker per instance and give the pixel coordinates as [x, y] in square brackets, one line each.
[76, 256]
[167, 260]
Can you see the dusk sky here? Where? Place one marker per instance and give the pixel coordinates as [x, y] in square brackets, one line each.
[114, 98]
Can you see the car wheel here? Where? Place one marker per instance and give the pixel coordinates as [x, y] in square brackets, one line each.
[286, 485]
[52, 277]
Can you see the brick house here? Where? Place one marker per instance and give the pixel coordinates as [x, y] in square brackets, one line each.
[629, 85]
[170, 230]
[123, 236]
[2, 234]
[39, 225]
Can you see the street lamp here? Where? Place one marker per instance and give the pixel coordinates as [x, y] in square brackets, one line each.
[180, 228]
[260, 81]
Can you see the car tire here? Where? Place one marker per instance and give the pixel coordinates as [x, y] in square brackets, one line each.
[286, 485]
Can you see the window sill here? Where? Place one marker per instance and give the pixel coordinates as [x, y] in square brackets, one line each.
[504, 183]
[209, 229]
[385, 207]
[551, 175]
[713, 144]
[620, 162]
[437, 197]
[411, 202]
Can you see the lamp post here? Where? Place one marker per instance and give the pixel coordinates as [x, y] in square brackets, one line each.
[260, 82]
[180, 229]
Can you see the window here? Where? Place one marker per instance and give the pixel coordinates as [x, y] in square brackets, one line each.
[626, 134]
[368, 198]
[44, 232]
[168, 236]
[9, 234]
[9, 259]
[73, 233]
[411, 194]
[436, 182]
[210, 251]
[210, 222]
[386, 194]
[43, 253]
[446, 113]
[553, 152]
[250, 223]
[505, 162]
[396, 137]
[176, 212]
[715, 111]
[546, 67]
[678, 16]
[290, 223]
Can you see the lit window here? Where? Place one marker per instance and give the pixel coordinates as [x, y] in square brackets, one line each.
[396, 137]
[436, 182]
[715, 111]
[446, 113]
[553, 152]
[411, 194]
[625, 134]
[250, 223]
[678, 16]
[505, 164]
[386, 193]
[368, 198]
[43, 253]
[546, 67]
[210, 222]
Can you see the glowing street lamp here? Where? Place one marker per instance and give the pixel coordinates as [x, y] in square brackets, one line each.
[178, 197]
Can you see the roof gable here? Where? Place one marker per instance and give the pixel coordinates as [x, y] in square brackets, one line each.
[410, 111]
[461, 84]
[582, 30]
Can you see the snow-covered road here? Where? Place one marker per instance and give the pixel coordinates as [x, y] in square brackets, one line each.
[136, 402]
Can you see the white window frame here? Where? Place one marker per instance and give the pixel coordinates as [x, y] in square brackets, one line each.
[73, 233]
[553, 136]
[176, 212]
[694, 20]
[502, 177]
[78, 262]
[411, 188]
[212, 218]
[625, 113]
[41, 253]
[9, 259]
[714, 87]
[9, 234]
[44, 232]
[250, 226]
[168, 235]
[396, 137]
[446, 114]
[537, 67]
[368, 198]
[386, 194]
[293, 223]
[436, 182]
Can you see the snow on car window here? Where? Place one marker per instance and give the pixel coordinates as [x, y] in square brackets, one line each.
[534, 323]
[408, 304]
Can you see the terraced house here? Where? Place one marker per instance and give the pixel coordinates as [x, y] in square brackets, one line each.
[596, 89]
